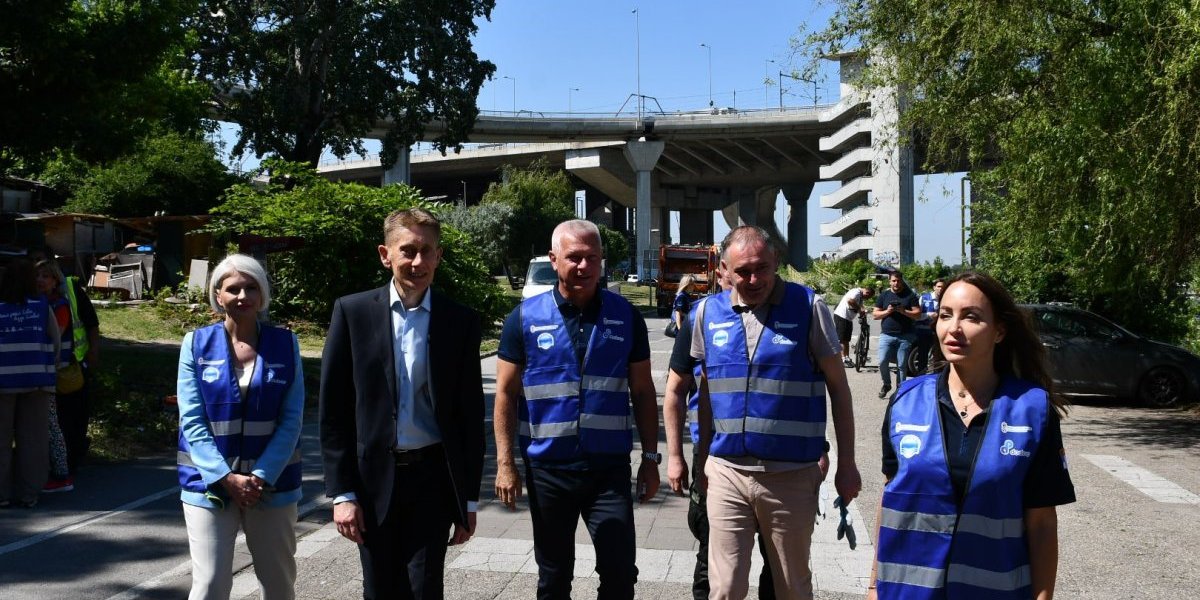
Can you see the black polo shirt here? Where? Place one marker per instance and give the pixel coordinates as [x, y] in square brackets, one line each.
[579, 324]
[1048, 483]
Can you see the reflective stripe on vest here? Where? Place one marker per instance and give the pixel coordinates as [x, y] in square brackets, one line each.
[928, 547]
[772, 405]
[27, 360]
[241, 429]
[66, 348]
[78, 332]
[568, 414]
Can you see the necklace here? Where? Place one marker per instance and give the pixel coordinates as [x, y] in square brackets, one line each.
[962, 412]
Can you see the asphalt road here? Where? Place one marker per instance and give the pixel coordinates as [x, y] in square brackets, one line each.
[121, 533]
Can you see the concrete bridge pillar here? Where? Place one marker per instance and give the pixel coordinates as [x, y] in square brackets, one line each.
[642, 156]
[401, 172]
[695, 226]
[797, 195]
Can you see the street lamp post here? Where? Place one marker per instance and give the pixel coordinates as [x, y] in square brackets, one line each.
[569, 92]
[514, 80]
[962, 214]
[637, 30]
[709, 49]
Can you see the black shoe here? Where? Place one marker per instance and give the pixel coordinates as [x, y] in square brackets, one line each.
[883, 391]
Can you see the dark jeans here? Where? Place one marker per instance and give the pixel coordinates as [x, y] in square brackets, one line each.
[925, 339]
[698, 522]
[604, 498]
[73, 413]
[405, 556]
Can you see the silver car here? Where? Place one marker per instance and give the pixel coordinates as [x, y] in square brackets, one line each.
[1090, 355]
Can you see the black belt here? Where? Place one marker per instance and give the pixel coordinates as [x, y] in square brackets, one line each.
[417, 456]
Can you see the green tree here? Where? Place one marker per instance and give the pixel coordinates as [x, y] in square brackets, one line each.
[616, 245]
[342, 224]
[302, 76]
[488, 225]
[1080, 121]
[541, 198]
[173, 172]
[90, 77]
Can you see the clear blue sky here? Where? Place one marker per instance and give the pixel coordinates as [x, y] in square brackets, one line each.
[552, 46]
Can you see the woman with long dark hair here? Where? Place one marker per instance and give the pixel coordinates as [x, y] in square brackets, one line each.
[974, 459]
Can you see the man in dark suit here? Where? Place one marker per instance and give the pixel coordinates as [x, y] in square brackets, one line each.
[401, 417]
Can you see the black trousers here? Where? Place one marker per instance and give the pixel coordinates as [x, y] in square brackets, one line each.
[698, 522]
[604, 498]
[405, 556]
[73, 414]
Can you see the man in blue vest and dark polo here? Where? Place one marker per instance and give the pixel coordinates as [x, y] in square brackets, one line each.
[768, 352]
[570, 362]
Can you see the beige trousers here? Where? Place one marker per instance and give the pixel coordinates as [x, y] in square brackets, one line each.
[270, 536]
[782, 505]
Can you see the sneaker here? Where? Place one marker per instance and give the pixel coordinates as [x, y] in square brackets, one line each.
[55, 486]
[848, 363]
[883, 391]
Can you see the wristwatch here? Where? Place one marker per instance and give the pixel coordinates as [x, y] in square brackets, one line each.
[654, 456]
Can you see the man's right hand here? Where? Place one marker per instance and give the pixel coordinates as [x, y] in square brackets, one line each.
[677, 474]
[348, 516]
[508, 485]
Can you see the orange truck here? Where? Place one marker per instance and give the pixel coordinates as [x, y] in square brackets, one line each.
[676, 261]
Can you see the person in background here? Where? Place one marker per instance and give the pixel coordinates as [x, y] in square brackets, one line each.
[975, 517]
[923, 326]
[851, 304]
[241, 403]
[29, 348]
[49, 280]
[74, 408]
[896, 307]
[683, 300]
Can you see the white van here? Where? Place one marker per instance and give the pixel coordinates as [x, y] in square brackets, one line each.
[540, 277]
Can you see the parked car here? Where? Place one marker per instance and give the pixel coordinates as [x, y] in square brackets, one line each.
[540, 277]
[632, 278]
[1090, 355]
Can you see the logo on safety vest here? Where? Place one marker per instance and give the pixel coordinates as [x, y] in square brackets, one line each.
[271, 377]
[779, 325]
[1006, 428]
[539, 328]
[609, 335]
[902, 427]
[1010, 449]
[545, 341]
[910, 446]
[712, 326]
[608, 321]
[210, 374]
[782, 340]
[720, 338]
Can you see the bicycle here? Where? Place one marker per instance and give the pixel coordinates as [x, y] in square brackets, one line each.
[863, 345]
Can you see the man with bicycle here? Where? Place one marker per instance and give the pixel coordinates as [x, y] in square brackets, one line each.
[896, 308]
[852, 304]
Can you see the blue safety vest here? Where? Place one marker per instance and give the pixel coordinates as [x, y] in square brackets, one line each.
[568, 414]
[693, 401]
[772, 405]
[240, 428]
[27, 360]
[928, 304]
[929, 548]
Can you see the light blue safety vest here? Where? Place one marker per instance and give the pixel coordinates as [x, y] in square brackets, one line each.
[927, 548]
[772, 405]
[569, 415]
[241, 429]
[27, 358]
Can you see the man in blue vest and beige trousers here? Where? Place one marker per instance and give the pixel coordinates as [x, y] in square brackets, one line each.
[570, 362]
[769, 351]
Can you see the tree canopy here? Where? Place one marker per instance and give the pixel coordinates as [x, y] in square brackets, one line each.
[90, 77]
[342, 224]
[1079, 121]
[300, 77]
[540, 198]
